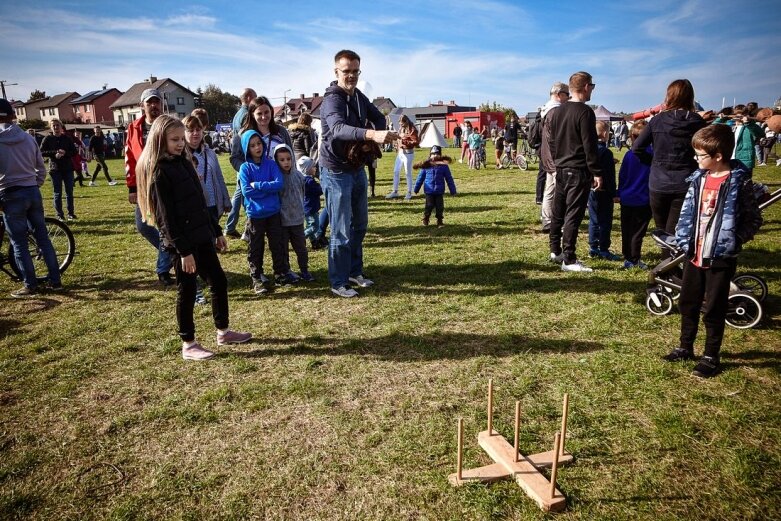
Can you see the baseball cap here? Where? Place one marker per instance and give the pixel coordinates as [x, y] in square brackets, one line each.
[5, 108]
[436, 149]
[150, 93]
[559, 87]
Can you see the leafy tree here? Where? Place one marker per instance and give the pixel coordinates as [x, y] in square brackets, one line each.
[221, 106]
[37, 95]
[37, 124]
[497, 107]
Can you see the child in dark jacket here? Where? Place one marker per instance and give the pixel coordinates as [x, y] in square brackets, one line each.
[292, 212]
[635, 202]
[312, 193]
[719, 215]
[433, 175]
[261, 181]
[600, 202]
[170, 196]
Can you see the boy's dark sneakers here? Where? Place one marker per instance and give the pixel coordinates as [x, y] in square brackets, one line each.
[707, 367]
[425, 220]
[678, 354]
[287, 279]
[440, 224]
[54, 287]
[262, 286]
[314, 244]
[166, 279]
[306, 276]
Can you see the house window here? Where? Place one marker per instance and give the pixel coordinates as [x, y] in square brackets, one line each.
[86, 108]
[51, 112]
[180, 101]
[121, 120]
[132, 117]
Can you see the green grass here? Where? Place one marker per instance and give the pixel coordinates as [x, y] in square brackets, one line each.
[346, 408]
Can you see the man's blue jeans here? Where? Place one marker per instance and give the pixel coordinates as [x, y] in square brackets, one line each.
[58, 180]
[164, 259]
[348, 210]
[237, 201]
[20, 207]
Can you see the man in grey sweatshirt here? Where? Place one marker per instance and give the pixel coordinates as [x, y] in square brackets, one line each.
[21, 174]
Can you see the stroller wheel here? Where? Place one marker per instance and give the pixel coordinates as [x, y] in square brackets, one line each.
[753, 285]
[671, 292]
[743, 311]
[659, 304]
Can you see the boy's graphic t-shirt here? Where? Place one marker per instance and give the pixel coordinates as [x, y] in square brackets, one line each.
[708, 204]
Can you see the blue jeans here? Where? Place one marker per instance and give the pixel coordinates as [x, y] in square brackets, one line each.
[312, 225]
[22, 209]
[600, 220]
[58, 179]
[348, 209]
[237, 201]
[164, 259]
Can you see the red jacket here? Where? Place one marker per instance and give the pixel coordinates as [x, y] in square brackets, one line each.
[134, 145]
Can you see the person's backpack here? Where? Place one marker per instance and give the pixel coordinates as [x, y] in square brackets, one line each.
[535, 132]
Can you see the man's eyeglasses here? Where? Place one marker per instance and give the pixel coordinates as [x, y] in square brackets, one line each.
[592, 85]
[350, 72]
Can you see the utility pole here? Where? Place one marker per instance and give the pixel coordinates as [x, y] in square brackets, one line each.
[2, 87]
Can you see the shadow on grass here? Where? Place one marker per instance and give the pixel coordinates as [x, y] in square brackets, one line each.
[754, 358]
[433, 346]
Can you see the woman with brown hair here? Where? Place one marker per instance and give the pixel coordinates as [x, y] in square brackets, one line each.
[408, 140]
[670, 133]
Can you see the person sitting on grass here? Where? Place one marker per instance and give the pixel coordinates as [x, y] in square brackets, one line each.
[292, 216]
[633, 195]
[719, 215]
[600, 201]
[434, 173]
[261, 181]
[170, 196]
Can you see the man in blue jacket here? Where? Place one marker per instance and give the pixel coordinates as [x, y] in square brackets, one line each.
[347, 116]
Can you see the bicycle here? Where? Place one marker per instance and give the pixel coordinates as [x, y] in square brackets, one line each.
[477, 158]
[62, 240]
[507, 160]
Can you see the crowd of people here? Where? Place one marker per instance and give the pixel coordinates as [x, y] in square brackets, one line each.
[690, 174]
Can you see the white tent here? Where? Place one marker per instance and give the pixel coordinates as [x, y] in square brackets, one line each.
[430, 136]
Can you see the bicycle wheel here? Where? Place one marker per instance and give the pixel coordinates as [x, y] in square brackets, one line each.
[63, 242]
[744, 311]
[752, 285]
[521, 162]
[506, 161]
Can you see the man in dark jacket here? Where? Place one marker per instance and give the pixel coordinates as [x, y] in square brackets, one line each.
[573, 146]
[21, 174]
[347, 116]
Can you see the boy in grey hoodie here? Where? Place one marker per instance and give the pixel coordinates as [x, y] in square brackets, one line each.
[292, 213]
[22, 172]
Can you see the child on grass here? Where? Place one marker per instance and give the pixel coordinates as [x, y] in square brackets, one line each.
[719, 215]
[261, 181]
[600, 202]
[633, 195]
[170, 196]
[434, 172]
[312, 193]
[292, 214]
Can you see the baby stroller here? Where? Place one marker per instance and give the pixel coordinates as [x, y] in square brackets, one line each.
[747, 291]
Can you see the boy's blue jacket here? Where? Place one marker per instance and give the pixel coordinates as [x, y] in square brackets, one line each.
[260, 182]
[633, 180]
[312, 193]
[735, 221]
[433, 176]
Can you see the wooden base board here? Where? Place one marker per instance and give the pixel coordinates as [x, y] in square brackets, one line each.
[525, 473]
[487, 474]
[544, 460]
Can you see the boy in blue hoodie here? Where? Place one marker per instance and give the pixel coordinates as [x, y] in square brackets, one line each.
[435, 173]
[261, 181]
[635, 200]
[600, 202]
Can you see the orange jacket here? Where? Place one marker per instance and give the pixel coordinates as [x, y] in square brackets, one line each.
[134, 145]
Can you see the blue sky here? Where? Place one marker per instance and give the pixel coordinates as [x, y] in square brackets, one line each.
[413, 52]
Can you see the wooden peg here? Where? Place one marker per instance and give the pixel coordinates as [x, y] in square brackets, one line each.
[517, 429]
[565, 410]
[490, 406]
[459, 452]
[555, 467]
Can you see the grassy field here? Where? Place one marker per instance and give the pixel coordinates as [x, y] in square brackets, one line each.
[347, 408]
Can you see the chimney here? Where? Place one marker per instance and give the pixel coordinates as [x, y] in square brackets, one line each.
[316, 95]
[303, 96]
[453, 102]
[152, 79]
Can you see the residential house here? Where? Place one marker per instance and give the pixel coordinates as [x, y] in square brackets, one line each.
[93, 107]
[59, 107]
[294, 107]
[384, 104]
[178, 101]
[439, 113]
